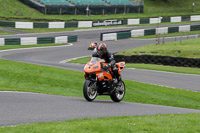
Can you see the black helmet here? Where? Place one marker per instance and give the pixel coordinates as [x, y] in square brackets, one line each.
[101, 49]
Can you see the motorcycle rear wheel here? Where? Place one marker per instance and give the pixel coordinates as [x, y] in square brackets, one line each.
[89, 93]
[119, 94]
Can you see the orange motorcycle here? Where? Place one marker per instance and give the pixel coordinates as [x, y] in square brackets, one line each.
[100, 81]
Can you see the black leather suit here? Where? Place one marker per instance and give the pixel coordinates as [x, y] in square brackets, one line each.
[109, 58]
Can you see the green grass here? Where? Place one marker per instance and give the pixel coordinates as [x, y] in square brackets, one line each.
[185, 70]
[16, 76]
[170, 6]
[177, 35]
[5, 33]
[45, 30]
[15, 10]
[171, 123]
[28, 46]
[188, 48]
[82, 60]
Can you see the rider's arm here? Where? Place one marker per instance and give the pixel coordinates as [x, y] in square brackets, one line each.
[95, 50]
[111, 60]
[95, 53]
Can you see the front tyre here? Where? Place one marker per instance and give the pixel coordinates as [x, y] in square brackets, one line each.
[89, 90]
[119, 93]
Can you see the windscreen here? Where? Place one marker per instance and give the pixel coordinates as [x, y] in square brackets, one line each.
[94, 60]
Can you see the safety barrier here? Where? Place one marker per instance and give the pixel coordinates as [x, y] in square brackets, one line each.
[38, 40]
[143, 32]
[160, 60]
[80, 24]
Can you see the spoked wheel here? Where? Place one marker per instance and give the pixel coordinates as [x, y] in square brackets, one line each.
[89, 90]
[119, 93]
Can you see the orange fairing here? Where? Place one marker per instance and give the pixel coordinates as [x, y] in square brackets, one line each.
[104, 76]
[92, 68]
[121, 66]
[95, 67]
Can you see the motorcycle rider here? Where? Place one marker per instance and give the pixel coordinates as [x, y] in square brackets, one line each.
[102, 52]
[93, 45]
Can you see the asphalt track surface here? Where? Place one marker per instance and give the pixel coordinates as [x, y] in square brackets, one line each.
[17, 108]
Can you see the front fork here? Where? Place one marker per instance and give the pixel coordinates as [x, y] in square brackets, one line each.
[94, 85]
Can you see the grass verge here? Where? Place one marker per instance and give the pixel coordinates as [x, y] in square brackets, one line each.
[178, 34]
[15, 76]
[185, 70]
[28, 46]
[5, 33]
[179, 123]
[15, 10]
[82, 60]
[188, 48]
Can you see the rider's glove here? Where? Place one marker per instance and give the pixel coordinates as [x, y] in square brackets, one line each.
[106, 66]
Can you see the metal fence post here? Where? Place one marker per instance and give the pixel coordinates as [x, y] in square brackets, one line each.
[181, 38]
[163, 39]
[45, 10]
[60, 10]
[193, 7]
[127, 10]
[199, 35]
[156, 39]
[159, 38]
[75, 11]
[124, 8]
[175, 37]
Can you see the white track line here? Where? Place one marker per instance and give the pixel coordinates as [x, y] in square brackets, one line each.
[67, 60]
[70, 44]
[21, 92]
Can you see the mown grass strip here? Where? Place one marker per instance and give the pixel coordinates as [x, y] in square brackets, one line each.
[5, 33]
[188, 48]
[5, 47]
[16, 76]
[82, 60]
[177, 35]
[185, 70]
[179, 123]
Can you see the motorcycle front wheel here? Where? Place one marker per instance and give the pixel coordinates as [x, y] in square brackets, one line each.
[119, 93]
[89, 90]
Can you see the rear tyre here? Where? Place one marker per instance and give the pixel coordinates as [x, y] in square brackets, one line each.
[119, 93]
[89, 90]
